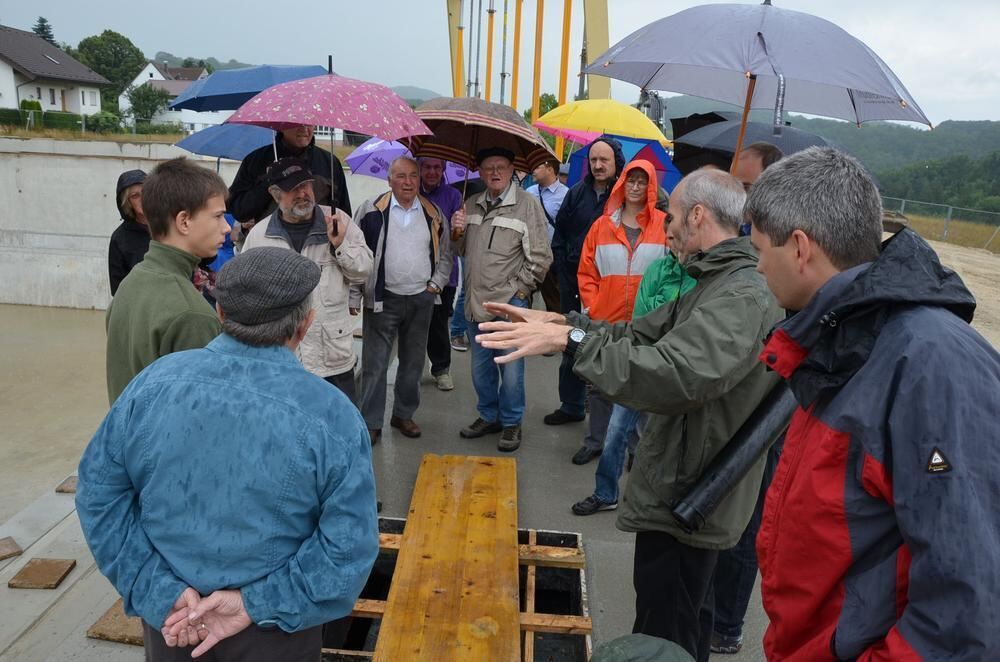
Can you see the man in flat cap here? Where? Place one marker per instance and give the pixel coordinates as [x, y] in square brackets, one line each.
[241, 529]
[507, 254]
[334, 243]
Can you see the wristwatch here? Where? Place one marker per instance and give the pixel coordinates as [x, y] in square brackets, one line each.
[576, 336]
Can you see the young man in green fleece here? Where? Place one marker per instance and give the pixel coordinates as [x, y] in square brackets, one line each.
[157, 310]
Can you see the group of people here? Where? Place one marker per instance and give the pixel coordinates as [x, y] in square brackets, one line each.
[675, 316]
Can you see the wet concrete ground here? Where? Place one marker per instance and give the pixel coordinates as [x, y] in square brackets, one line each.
[53, 396]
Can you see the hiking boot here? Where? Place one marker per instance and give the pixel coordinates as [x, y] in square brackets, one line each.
[459, 344]
[585, 455]
[559, 417]
[591, 505]
[480, 428]
[726, 645]
[510, 440]
[444, 382]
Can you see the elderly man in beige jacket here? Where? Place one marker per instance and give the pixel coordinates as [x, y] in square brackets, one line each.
[334, 243]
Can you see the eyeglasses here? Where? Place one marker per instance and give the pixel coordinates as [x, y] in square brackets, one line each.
[636, 184]
[494, 169]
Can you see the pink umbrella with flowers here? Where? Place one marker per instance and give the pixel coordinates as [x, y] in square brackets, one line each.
[333, 101]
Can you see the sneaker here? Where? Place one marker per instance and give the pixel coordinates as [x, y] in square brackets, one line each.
[459, 344]
[444, 382]
[592, 505]
[559, 417]
[480, 428]
[726, 645]
[510, 440]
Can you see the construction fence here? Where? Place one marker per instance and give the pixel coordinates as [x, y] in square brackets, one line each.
[975, 228]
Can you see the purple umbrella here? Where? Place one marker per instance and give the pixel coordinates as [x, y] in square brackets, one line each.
[373, 157]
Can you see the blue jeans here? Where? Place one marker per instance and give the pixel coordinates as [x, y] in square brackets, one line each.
[621, 427]
[459, 324]
[499, 388]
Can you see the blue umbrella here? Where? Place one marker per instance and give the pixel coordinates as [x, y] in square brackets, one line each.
[229, 141]
[228, 89]
[633, 148]
[373, 157]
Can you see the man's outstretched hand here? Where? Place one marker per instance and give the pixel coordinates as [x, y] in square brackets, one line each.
[517, 314]
[214, 618]
[523, 337]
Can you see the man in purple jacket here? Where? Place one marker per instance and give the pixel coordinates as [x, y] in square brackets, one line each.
[449, 199]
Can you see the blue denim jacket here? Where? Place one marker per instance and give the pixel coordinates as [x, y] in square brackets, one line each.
[232, 467]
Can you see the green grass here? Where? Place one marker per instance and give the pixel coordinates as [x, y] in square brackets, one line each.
[960, 232]
[64, 134]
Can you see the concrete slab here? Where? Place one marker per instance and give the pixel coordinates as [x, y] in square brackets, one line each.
[68, 486]
[114, 625]
[42, 573]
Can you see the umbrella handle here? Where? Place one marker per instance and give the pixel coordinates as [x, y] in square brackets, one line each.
[743, 123]
[456, 233]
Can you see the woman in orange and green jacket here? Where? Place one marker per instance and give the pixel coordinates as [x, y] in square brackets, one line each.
[620, 245]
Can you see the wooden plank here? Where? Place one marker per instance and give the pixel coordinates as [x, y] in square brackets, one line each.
[531, 554]
[553, 623]
[557, 624]
[68, 486]
[529, 603]
[454, 593]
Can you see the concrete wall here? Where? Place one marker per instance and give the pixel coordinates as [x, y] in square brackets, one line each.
[8, 88]
[57, 213]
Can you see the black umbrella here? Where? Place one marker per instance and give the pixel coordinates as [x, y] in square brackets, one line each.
[721, 137]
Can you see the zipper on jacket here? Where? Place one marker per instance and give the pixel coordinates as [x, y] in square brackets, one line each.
[493, 231]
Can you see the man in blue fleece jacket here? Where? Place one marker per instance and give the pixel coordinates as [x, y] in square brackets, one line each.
[240, 529]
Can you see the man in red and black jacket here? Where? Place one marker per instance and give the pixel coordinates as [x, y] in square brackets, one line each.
[881, 528]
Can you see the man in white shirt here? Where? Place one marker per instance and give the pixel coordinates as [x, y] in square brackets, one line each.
[550, 192]
[410, 239]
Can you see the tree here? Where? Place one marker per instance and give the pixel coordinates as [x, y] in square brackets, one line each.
[146, 101]
[44, 30]
[546, 102]
[113, 56]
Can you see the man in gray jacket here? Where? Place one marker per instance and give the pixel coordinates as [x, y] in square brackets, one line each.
[507, 254]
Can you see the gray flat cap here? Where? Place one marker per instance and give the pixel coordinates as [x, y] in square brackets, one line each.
[264, 284]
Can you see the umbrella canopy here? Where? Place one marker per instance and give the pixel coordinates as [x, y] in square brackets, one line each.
[372, 159]
[721, 137]
[465, 125]
[335, 101]
[229, 141]
[572, 135]
[601, 116]
[759, 56]
[633, 148]
[681, 125]
[228, 89]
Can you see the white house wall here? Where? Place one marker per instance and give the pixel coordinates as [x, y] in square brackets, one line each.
[8, 88]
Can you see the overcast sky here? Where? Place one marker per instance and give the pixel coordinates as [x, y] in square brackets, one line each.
[946, 52]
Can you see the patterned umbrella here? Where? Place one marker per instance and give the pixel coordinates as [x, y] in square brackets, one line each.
[463, 126]
[372, 159]
[335, 101]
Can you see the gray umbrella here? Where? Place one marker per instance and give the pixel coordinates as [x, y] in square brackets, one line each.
[759, 56]
[721, 136]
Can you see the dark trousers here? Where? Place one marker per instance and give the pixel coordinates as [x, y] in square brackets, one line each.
[673, 591]
[736, 571]
[572, 390]
[549, 289]
[439, 335]
[599, 409]
[403, 320]
[251, 645]
[345, 382]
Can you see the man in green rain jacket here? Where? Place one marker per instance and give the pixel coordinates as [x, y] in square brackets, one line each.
[692, 366]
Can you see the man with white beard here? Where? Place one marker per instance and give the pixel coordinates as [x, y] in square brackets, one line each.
[334, 243]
